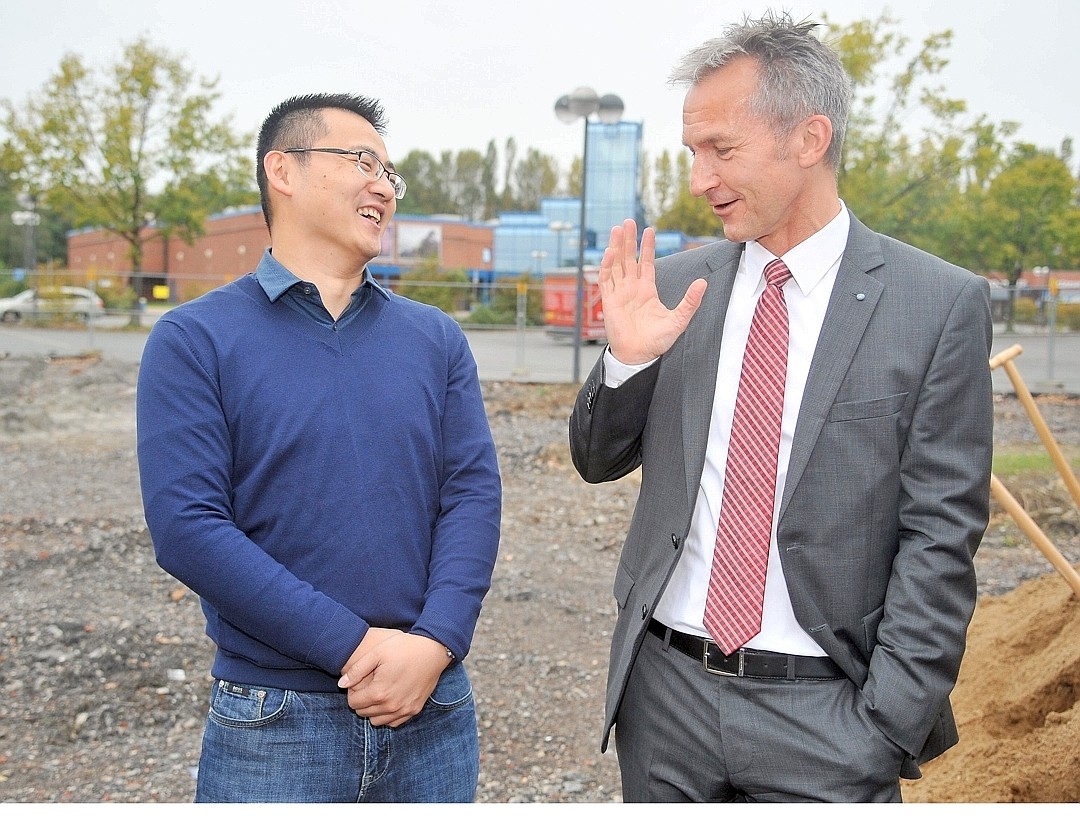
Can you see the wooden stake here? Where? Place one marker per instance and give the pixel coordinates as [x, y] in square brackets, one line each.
[1032, 530]
[1066, 472]
[1005, 497]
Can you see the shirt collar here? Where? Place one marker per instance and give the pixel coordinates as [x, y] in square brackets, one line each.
[810, 259]
[275, 279]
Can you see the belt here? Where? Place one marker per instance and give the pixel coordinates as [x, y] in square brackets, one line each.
[746, 662]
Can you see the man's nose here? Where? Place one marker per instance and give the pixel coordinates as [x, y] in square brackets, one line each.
[703, 177]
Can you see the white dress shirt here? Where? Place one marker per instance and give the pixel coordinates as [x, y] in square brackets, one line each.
[813, 264]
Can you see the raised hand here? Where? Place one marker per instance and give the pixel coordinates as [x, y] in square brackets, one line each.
[639, 326]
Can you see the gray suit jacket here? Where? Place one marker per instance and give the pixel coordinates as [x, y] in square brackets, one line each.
[887, 493]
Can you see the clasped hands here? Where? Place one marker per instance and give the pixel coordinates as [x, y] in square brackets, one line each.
[391, 674]
[639, 326]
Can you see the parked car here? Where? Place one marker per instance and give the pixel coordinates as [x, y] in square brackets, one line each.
[77, 303]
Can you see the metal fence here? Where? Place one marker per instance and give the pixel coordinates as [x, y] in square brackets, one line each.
[524, 329]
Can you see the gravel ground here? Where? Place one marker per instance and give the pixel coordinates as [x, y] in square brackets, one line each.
[103, 657]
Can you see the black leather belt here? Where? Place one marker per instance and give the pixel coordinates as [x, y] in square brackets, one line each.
[745, 662]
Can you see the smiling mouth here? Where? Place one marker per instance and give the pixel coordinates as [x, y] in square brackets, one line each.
[372, 214]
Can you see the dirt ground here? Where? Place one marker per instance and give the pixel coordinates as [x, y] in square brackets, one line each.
[104, 662]
[1017, 703]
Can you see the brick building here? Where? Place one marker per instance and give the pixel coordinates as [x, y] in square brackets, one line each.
[234, 241]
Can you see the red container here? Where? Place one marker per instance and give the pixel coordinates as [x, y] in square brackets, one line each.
[560, 289]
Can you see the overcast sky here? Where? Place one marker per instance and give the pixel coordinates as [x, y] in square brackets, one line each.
[455, 75]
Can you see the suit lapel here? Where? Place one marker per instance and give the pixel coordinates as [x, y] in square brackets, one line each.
[701, 357]
[854, 297]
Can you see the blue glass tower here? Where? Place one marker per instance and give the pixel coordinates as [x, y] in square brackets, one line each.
[527, 242]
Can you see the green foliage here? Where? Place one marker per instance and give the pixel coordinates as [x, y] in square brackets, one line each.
[487, 315]
[502, 306]
[8, 285]
[467, 185]
[1068, 316]
[47, 241]
[1028, 213]
[504, 302]
[665, 183]
[428, 283]
[128, 149]
[536, 176]
[574, 178]
[1025, 310]
[116, 295]
[902, 181]
[426, 177]
[688, 214]
[953, 187]
[463, 183]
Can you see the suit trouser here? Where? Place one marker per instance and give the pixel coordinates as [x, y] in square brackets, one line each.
[685, 735]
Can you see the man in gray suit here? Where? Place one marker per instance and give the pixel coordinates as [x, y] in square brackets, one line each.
[882, 460]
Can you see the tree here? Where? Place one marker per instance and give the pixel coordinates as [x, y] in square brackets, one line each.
[665, 184]
[134, 148]
[428, 283]
[574, 177]
[535, 176]
[488, 181]
[426, 177]
[468, 184]
[44, 242]
[506, 201]
[687, 213]
[1028, 217]
[899, 178]
[919, 167]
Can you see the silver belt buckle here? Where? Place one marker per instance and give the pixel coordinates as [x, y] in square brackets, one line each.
[708, 669]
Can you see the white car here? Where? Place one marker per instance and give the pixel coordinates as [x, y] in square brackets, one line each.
[76, 303]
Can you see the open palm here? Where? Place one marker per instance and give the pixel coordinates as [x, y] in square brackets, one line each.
[639, 326]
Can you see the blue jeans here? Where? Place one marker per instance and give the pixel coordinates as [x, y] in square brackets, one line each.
[267, 745]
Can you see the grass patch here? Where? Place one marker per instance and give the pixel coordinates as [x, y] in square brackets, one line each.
[1026, 461]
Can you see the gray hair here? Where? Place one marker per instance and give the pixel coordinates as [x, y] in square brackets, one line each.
[798, 75]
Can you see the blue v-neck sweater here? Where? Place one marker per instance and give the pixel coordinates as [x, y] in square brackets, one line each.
[308, 482]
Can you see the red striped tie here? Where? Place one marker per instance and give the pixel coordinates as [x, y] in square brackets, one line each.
[741, 556]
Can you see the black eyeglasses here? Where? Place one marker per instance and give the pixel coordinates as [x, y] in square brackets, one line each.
[367, 162]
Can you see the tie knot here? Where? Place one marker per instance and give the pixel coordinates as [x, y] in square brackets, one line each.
[776, 273]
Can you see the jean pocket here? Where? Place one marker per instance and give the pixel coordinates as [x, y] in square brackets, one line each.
[453, 690]
[246, 705]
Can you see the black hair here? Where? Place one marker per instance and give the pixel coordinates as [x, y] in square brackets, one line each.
[298, 122]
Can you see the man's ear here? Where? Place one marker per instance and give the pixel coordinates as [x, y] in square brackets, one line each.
[813, 138]
[278, 171]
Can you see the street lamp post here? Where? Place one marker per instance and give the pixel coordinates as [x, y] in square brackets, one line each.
[583, 102]
[558, 228]
[1050, 304]
[538, 256]
[29, 218]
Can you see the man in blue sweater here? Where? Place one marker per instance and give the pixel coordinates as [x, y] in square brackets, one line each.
[316, 464]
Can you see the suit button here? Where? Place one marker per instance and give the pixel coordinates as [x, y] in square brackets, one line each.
[675, 541]
[644, 611]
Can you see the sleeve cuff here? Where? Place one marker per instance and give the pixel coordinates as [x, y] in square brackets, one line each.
[616, 373]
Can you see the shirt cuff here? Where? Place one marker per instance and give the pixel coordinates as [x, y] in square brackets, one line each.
[616, 373]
